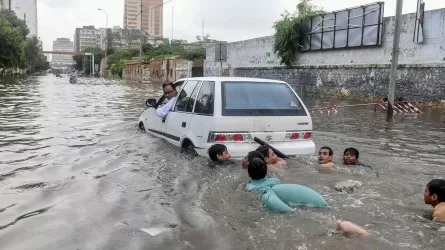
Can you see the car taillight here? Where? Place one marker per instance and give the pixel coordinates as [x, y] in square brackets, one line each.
[294, 136]
[219, 138]
[300, 135]
[229, 137]
[238, 137]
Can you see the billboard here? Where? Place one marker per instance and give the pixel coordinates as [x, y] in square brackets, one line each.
[418, 25]
[355, 27]
[221, 52]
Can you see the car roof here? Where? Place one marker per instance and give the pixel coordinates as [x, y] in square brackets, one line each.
[234, 79]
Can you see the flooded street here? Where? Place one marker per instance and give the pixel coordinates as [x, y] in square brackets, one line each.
[76, 173]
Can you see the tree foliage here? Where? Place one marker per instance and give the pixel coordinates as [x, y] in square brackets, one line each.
[17, 51]
[83, 62]
[146, 48]
[78, 62]
[17, 23]
[165, 50]
[120, 58]
[11, 52]
[192, 55]
[117, 68]
[35, 60]
[121, 54]
[98, 53]
[169, 50]
[288, 37]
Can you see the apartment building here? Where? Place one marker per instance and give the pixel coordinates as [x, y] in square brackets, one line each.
[62, 61]
[152, 16]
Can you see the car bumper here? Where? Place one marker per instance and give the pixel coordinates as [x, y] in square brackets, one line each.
[239, 150]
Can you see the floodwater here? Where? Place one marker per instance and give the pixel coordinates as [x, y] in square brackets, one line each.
[75, 173]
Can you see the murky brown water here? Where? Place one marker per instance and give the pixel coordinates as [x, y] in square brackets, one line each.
[75, 173]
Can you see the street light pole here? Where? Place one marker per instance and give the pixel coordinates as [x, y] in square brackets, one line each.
[106, 35]
[140, 49]
[394, 62]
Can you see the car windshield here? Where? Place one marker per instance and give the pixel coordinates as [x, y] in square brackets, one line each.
[243, 98]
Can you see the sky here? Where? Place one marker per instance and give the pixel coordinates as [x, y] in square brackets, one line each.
[228, 20]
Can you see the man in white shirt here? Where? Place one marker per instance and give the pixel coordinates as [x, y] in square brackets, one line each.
[169, 92]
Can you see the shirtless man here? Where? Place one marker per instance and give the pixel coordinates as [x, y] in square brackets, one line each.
[325, 155]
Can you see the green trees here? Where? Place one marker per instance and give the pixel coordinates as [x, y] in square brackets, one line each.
[84, 62]
[287, 31]
[35, 60]
[122, 54]
[119, 58]
[117, 68]
[12, 39]
[17, 51]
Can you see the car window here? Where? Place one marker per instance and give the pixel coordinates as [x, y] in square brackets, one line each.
[162, 99]
[179, 85]
[185, 100]
[205, 100]
[191, 102]
[242, 98]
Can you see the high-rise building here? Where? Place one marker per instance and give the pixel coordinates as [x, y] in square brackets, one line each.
[152, 16]
[62, 61]
[89, 37]
[125, 38]
[5, 4]
[25, 10]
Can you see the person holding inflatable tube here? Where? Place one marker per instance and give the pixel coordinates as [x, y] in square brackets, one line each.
[278, 197]
[251, 155]
[272, 160]
[283, 198]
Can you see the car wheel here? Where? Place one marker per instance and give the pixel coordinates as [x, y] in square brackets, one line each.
[190, 149]
[141, 126]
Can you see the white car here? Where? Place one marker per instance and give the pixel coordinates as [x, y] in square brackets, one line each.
[233, 111]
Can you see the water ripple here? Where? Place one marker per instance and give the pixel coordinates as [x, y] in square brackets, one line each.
[25, 216]
[78, 146]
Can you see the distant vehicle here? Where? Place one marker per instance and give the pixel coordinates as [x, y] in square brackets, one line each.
[73, 77]
[233, 111]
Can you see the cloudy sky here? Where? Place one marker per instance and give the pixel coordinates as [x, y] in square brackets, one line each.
[229, 20]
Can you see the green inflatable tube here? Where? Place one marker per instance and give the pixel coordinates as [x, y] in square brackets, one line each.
[282, 198]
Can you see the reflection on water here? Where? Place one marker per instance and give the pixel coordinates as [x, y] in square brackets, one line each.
[75, 173]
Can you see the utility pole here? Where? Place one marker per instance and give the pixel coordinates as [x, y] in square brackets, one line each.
[172, 24]
[221, 59]
[106, 36]
[394, 62]
[140, 51]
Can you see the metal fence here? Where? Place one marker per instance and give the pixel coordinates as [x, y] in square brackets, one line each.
[355, 27]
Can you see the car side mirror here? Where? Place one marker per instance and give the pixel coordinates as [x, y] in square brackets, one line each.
[150, 102]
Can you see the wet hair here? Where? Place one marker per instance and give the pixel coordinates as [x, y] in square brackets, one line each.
[437, 187]
[215, 150]
[254, 154]
[352, 151]
[330, 150]
[257, 169]
[263, 150]
[169, 84]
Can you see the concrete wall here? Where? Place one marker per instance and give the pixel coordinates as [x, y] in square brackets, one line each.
[415, 82]
[160, 71]
[345, 69]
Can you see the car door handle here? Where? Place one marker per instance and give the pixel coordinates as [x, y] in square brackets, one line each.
[184, 124]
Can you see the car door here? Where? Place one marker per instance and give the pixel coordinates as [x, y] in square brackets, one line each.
[154, 124]
[178, 120]
[203, 114]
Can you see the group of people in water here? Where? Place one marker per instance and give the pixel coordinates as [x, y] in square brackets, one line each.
[259, 161]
